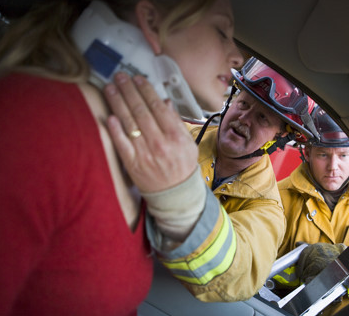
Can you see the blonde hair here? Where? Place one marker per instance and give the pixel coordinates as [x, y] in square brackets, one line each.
[40, 41]
[179, 14]
[183, 14]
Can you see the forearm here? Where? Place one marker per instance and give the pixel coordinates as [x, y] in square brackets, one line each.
[225, 259]
[176, 210]
[207, 252]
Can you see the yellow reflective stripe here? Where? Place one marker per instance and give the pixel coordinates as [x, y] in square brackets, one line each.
[206, 256]
[280, 279]
[214, 272]
[290, 270]
[288, 277]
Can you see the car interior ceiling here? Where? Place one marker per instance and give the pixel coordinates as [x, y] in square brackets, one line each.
[307, 41]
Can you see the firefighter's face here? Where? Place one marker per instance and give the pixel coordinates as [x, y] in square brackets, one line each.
[329, 166]
[247, 126]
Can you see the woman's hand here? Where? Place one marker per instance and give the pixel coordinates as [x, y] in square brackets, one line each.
[156, 149]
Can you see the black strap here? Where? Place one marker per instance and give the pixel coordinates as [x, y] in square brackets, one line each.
[203, 129]
[222, 113]
[280, 143]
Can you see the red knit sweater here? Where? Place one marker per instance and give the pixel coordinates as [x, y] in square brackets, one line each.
[65, 248]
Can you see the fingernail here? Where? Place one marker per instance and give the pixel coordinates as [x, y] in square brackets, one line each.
[169, 103]
[139, 80]
[120, 77]
[112, 121]
[110, 89]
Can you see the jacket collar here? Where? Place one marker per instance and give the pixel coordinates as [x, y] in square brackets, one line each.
[256, 181]
[303, 181]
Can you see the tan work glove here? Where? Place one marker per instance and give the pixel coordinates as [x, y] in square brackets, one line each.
[314, 258]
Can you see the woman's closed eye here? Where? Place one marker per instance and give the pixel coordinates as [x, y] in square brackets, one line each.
[222, 33]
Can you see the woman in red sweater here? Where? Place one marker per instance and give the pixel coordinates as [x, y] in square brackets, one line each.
[72, 236]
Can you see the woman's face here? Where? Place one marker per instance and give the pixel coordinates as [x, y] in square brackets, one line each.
[205, 52]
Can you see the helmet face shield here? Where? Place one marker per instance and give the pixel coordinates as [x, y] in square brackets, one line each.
[274, 88]
[338, 139]
[278, 94]
[331, 135]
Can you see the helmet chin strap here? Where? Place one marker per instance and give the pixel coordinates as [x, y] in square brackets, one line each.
[221, 114]
[271, 146]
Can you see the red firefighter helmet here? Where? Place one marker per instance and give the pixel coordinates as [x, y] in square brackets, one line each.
[280, 95]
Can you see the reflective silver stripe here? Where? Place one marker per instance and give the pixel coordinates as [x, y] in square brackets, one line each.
[200, 233]
[213, 261]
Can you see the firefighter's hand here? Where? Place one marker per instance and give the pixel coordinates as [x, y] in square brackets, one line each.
[314, 258]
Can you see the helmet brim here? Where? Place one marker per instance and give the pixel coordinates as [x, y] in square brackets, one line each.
[287, 120]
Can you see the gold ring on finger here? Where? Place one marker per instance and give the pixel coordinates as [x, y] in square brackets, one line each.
[135, 134]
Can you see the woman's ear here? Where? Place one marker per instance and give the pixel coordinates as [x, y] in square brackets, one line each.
[149, 18]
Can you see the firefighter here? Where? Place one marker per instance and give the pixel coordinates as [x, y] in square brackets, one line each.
[230, 262]
[316, 198]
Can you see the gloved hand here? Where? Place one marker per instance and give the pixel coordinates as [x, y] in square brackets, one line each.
[314, 258]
